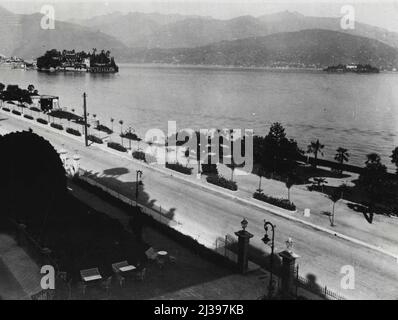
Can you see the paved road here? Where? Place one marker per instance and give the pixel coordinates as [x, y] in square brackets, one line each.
[207, 215]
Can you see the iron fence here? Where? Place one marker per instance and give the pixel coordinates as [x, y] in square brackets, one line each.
[315, 288]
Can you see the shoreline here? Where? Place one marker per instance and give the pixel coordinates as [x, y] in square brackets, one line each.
[234, 68]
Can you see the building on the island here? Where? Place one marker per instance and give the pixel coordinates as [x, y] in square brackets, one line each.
[352, 67]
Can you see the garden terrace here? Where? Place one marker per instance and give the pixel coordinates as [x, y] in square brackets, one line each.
[81, 237]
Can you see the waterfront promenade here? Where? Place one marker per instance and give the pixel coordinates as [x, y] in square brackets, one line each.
[207, 215]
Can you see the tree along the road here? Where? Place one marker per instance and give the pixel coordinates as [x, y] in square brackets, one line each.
[315, 147]
[30, 190]
[275, 152]
[290, 181]
[341, 156]
[373, 179]
[15, 93]
[334, 197]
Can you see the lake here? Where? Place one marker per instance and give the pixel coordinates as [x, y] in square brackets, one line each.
[357, 112]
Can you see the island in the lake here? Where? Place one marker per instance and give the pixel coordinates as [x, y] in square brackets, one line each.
[355, 68]
[70, 60]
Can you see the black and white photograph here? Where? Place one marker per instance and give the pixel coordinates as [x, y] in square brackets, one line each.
[213, 152]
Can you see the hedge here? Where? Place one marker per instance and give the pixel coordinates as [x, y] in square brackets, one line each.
[42, 121]
[179, 167]
[130, 136]
[16, 112]
[28, 116]
[57, 126]
[140, 155]
[6, 109]
[209, 169]
[116, 146]
[94, 139]
[73, 131]
[103, 128]
[282, 203]
[222, 182]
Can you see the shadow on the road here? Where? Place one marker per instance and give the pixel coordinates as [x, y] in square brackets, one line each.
[116, 171]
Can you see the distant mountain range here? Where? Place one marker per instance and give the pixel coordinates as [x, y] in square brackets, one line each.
[178, 31]
[22, 36]
[286, 38]
[307, 48]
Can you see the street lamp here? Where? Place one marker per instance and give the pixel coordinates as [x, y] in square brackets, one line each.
[266, 239]
[138, 181]
[244, 224]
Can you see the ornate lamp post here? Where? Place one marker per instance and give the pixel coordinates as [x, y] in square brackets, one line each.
[243, 246]
[266, 239]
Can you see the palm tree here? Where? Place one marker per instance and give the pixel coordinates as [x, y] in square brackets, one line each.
[394, 157]
[344, 189]
[260, 173]
[315, 147]
[121, 126]
[121, 129]
[334, 197]
[289, 183]
[232, 166]
[112, 123]
[320, 181]
[341, 156]
[187, 156]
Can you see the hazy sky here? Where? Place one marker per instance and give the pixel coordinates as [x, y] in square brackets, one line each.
[379, 13]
